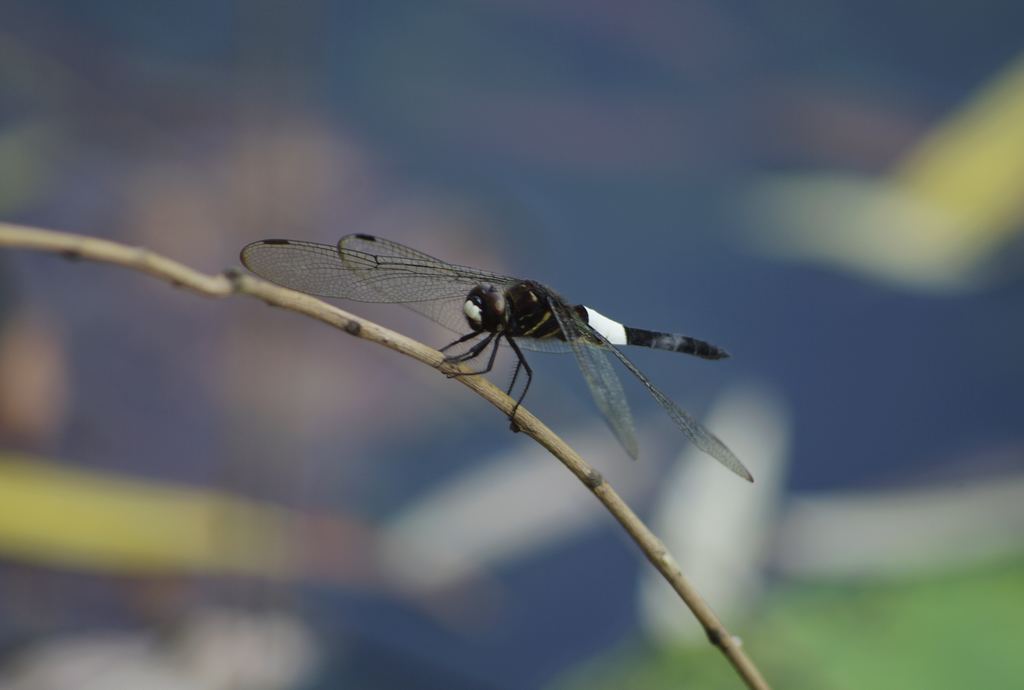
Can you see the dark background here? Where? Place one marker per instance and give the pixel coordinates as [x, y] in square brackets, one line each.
[606, 149]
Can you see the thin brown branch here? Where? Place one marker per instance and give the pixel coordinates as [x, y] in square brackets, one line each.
[232, 282]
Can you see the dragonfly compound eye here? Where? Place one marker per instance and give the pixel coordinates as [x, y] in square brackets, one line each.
[485, 308]
[473, 313]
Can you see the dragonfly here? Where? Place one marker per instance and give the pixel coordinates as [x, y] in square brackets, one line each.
[486, 309]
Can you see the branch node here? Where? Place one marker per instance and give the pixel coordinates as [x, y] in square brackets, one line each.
[234, 277]
[592, 478]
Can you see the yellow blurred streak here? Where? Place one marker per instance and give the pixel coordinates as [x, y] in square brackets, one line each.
[973, 164]
[71, 518]
[948, 206]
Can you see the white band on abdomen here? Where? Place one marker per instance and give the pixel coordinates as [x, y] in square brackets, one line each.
[614, 331]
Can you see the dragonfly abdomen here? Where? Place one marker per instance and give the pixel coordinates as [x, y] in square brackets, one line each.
[617, 334]
[674, 343]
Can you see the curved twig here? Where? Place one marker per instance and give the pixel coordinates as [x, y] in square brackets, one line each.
[235, 282]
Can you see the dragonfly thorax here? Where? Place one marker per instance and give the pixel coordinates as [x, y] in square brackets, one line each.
[486, 309]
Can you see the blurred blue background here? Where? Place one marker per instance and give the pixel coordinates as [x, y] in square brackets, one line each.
[831, 191]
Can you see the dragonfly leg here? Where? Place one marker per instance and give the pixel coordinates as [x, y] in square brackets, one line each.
[471, 352]
[468, 336]
[515, 375]
[529, 379]
[475, 352]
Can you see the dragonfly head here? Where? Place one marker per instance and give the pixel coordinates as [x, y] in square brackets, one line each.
[485, 308]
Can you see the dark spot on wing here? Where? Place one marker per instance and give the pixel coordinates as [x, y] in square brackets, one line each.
[277, 241]
[367, 238]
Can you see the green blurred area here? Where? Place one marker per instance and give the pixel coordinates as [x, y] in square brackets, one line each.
[949, 631]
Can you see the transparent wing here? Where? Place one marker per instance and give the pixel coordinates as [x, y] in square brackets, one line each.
[590, 348]
[694, 430]
[364, 268]
[391, 272]
[545, 345]
[597, 370]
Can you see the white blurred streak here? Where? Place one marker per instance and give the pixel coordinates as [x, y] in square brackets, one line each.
[224, 648]
[509, 507]
[901, 532]
[216, 649]
[716, 526]
[93, 662]
[866, 225]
